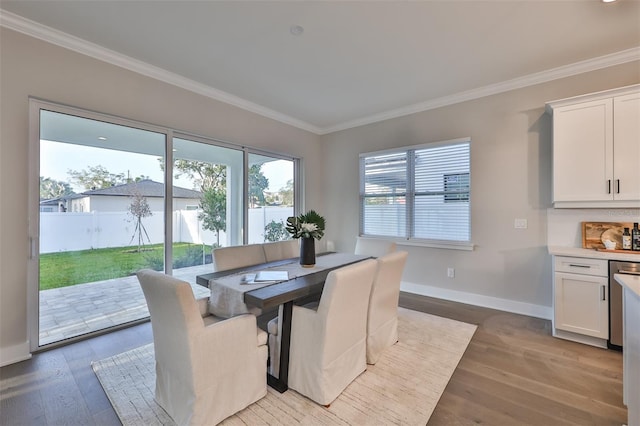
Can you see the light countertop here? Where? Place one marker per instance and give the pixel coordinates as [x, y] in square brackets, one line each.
[593, 254]
[631, 282]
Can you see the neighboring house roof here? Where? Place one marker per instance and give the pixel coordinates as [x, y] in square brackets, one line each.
[74, 196]
[146, 188]
[51, 201]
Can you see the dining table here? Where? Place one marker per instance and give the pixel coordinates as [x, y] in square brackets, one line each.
[233, 292]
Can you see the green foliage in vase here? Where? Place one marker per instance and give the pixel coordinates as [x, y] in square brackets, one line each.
[307, 225]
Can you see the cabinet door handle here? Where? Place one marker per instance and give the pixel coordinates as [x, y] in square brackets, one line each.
[608, 186]
[575, 265]
[618, 186]
[604, 297]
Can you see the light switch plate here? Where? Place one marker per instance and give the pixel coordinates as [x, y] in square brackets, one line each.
[520, 224]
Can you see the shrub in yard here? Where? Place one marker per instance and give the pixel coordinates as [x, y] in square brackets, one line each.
[191, 257]
[275, 231]
[154, 261]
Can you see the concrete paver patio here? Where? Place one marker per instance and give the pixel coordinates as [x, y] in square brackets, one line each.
[83, 308]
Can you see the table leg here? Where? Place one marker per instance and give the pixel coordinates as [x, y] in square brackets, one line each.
[281, 384]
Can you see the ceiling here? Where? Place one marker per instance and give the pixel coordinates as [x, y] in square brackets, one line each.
[355, 62]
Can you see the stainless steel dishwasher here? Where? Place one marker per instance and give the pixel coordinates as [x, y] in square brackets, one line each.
[615, 300]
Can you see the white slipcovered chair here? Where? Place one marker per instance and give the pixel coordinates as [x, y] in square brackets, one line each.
[382, 318]
[225, 258]
[328, 345]
[206, 368]
[280, 250]
[374, 247]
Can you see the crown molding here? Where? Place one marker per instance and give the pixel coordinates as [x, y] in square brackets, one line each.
[618, 58]
[42, 32]
[76, 44]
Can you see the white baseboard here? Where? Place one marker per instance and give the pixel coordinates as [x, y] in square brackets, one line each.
[15, 353]
[587, 340]
[538, 311]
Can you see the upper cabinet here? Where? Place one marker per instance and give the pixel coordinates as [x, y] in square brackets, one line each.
[596, 149]
[626, 146]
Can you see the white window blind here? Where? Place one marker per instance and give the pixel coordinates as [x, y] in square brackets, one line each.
[420, 193]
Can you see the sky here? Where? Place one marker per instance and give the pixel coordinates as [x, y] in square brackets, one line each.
[57, 158]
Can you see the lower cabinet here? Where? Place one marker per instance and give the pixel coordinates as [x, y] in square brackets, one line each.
[581, 306]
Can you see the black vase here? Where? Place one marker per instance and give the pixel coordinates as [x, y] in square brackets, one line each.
[307, 252]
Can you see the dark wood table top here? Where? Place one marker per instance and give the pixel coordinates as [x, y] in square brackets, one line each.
[203, 279]
[278, 293]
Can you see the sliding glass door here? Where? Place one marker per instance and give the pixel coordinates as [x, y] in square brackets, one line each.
[110, 196]
[207, 203]
[101, 218]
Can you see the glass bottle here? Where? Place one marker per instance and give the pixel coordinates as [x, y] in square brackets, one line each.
[635, 238]
[626, 239]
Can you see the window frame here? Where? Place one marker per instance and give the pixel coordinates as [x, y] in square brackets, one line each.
[410, 195]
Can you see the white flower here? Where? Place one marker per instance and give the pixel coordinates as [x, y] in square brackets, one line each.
[308, 227]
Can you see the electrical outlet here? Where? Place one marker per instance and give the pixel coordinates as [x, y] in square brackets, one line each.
[520, 224]
[451, 273]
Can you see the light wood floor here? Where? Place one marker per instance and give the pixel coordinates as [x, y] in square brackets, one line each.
[512, 373]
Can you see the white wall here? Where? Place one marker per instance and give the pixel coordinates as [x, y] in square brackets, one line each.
[30, 67]
[510, 178]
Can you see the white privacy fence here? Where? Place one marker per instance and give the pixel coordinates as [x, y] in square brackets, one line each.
[260, 217]
[94, 230]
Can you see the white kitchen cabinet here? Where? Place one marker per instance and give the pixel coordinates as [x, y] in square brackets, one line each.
[626, 153]
[596, 149]
[581, 306]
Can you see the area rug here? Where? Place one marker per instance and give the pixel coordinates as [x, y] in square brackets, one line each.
[402, 388]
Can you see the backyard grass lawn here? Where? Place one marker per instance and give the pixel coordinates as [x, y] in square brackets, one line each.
[85, 266]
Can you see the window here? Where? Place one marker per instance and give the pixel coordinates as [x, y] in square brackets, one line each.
[419, 194]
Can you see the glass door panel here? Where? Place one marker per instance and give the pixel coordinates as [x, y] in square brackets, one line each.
[101, 219]
[207, 204]
[270, 198]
